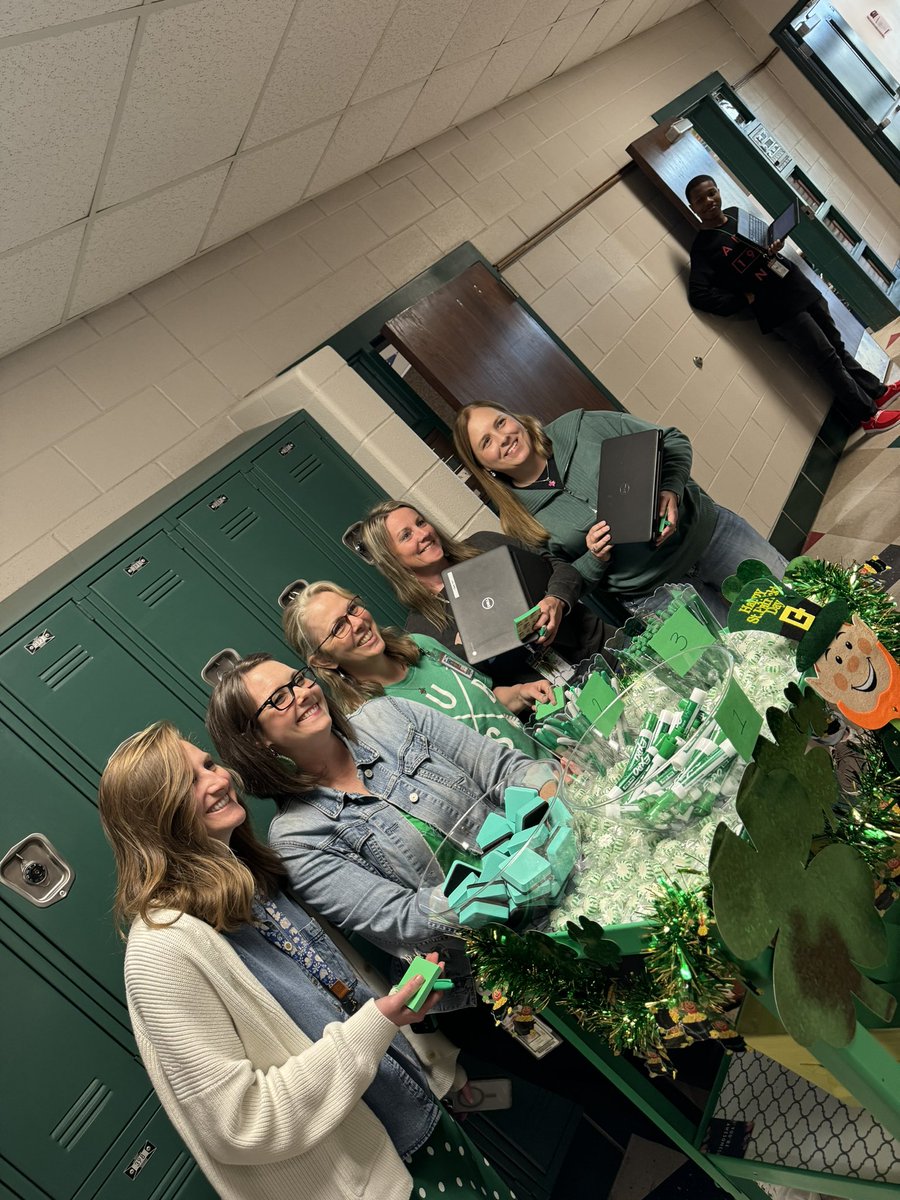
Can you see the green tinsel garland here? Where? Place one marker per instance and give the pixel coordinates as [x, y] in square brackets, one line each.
[618, 999]
[869, 818]
[823, 581]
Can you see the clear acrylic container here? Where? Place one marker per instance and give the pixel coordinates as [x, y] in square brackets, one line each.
[658, 755]
[513, 852]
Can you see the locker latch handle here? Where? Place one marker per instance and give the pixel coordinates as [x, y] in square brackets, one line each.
[34, 868]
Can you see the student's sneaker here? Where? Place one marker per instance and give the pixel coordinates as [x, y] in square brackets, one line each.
[891, 392]
[881, 421]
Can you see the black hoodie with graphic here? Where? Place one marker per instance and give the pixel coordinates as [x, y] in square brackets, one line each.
[724, 268]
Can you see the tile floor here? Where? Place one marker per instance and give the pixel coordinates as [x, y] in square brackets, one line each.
[860, 513]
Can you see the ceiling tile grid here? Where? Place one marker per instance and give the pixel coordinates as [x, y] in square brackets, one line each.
[132, 243]
[139, 135]
[58, 98]
[197, 74]
[34, 283]
[319, 65]
[22, 16]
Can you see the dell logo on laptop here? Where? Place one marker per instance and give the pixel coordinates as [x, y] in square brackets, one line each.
[488, 602]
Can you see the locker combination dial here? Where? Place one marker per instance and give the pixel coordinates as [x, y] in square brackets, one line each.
[34, 869]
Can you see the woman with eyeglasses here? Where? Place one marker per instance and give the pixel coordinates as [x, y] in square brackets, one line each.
[543, 482]
[411, 551]
[278, 1064]
[333, 631]
[365, 802]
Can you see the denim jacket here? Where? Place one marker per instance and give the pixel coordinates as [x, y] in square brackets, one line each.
[359, 862]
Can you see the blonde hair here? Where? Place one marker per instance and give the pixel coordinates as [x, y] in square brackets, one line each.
[515, 519]
[347, 692]
[233, 728]
[408, 588]
[165, 857]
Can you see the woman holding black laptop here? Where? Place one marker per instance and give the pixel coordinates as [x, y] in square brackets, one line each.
[543, 481]
[411, 551]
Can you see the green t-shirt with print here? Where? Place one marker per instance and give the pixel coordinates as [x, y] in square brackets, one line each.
[448, 684]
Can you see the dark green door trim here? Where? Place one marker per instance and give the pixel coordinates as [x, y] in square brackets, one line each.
[871, 137]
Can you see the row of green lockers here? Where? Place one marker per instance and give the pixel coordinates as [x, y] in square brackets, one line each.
[122, 645]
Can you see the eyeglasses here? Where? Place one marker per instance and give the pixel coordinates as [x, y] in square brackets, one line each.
[283, 696]
[341, 627]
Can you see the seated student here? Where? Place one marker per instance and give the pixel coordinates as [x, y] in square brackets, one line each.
[332, 630]
[411, 551]
[728, 274]
[284, 1073]
[543, 481]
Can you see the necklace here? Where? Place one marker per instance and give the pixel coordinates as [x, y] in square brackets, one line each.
[544, 477]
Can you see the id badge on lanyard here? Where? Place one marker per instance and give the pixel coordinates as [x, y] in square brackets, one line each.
[777, 267]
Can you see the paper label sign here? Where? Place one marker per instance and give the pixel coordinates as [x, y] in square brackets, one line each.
[739, 720]
[680, 640]
[597, 695]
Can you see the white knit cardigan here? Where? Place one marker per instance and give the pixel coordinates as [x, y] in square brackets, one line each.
[265, 1111]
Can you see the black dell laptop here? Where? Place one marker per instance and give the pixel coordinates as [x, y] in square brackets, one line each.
[754, 229]
[487, 593]
[628, 489]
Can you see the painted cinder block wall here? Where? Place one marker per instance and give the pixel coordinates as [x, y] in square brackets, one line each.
[102, 413]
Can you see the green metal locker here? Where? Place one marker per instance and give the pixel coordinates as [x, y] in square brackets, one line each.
[172, 603]
[306, 471]
[79, 927]
[242, 532]
[75, 679]
[118, 643]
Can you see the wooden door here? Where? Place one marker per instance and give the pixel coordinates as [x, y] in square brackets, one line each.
[473, 341]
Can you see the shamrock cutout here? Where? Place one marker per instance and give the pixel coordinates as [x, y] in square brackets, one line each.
[593, 942]
[806, 717]
[749, 570]
[820, 913]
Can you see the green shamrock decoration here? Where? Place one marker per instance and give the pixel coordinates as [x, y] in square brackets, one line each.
[820, 913]
[748, 571]
[593, 942]
[807, 716]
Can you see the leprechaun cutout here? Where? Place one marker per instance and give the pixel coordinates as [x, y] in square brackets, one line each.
[845, 662]
[853, 672]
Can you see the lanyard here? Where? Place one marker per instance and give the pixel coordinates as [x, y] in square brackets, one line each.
[286, 937]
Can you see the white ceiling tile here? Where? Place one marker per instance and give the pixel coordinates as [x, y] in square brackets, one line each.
[34, 282]
[555, 46]
[537, 14]
[58, 96]
[263, 183]
[319, 65]
[142, 239]
[198, 71]
[501, 73]
[439, 102]
[362, 137]
[482, 28]
[21, 16]
[415, 39]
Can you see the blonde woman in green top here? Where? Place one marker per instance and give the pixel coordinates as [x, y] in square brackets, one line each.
[335, 633]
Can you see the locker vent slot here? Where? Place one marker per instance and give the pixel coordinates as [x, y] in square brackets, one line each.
[240, 523]
[304, 470]
[83, 1112]
[174, 1179]
[158, 589]
[64, 668]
